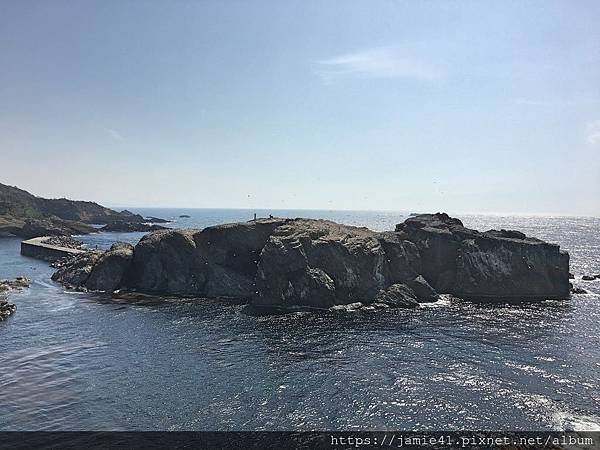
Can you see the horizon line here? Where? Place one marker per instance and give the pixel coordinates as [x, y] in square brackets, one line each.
[402, 212]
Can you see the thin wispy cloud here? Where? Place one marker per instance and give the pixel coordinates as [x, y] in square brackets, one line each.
[381, 62]
[592, 134]
[540, 102]
[114, 134]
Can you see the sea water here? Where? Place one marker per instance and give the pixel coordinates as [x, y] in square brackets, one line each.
[74, 361]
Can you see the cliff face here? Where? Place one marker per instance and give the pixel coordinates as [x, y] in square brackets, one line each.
[302, 263]
[26, 215]
[320, 263]
[472, 264]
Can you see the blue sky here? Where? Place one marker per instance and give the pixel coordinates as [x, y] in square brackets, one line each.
[470, 106]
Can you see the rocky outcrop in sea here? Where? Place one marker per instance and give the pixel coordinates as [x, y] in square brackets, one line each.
[128, 227]
[286, 264]
[6, 308]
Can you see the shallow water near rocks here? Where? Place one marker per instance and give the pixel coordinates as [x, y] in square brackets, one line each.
[73, 361]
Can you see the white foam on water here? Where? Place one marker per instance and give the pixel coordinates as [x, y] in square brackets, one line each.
[445, 300]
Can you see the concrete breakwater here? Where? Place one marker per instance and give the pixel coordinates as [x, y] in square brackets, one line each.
[40, 248]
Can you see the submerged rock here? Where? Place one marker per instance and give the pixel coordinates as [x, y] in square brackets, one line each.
[128, 227]
[578, 290]
[17, 283]
[296, 264]
[156, 220]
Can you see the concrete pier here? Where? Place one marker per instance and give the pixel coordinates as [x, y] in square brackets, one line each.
[37, 248]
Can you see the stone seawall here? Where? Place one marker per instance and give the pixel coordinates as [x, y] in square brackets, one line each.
[37, 248]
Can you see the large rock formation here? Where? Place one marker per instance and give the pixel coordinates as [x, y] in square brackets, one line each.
[218, 261]
[320, 263]
[301, 263]
[110, 268]
[495, 264]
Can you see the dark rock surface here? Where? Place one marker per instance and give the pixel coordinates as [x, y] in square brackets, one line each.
[128, 227]
[218, 261]
[74, 272]
[588, 277]
[493, 264]
[422, 289]
[108, 271]
[320, 263]
[292, 264]
[6, 308]
[184, 216]
[397, 295]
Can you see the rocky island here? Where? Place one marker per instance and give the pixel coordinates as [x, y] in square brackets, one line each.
[291, 264]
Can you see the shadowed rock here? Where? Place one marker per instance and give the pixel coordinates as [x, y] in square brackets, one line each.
[218, 261]
[74, 272]
[108, 271]
[322, 263]
[422, 289]
[492, 264]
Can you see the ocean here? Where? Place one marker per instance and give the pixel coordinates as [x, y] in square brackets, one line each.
[85, 361]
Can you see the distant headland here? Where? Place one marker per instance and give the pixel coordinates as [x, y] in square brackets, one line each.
[25, 215]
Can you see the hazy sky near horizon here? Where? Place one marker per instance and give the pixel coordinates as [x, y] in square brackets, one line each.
[462, 106]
